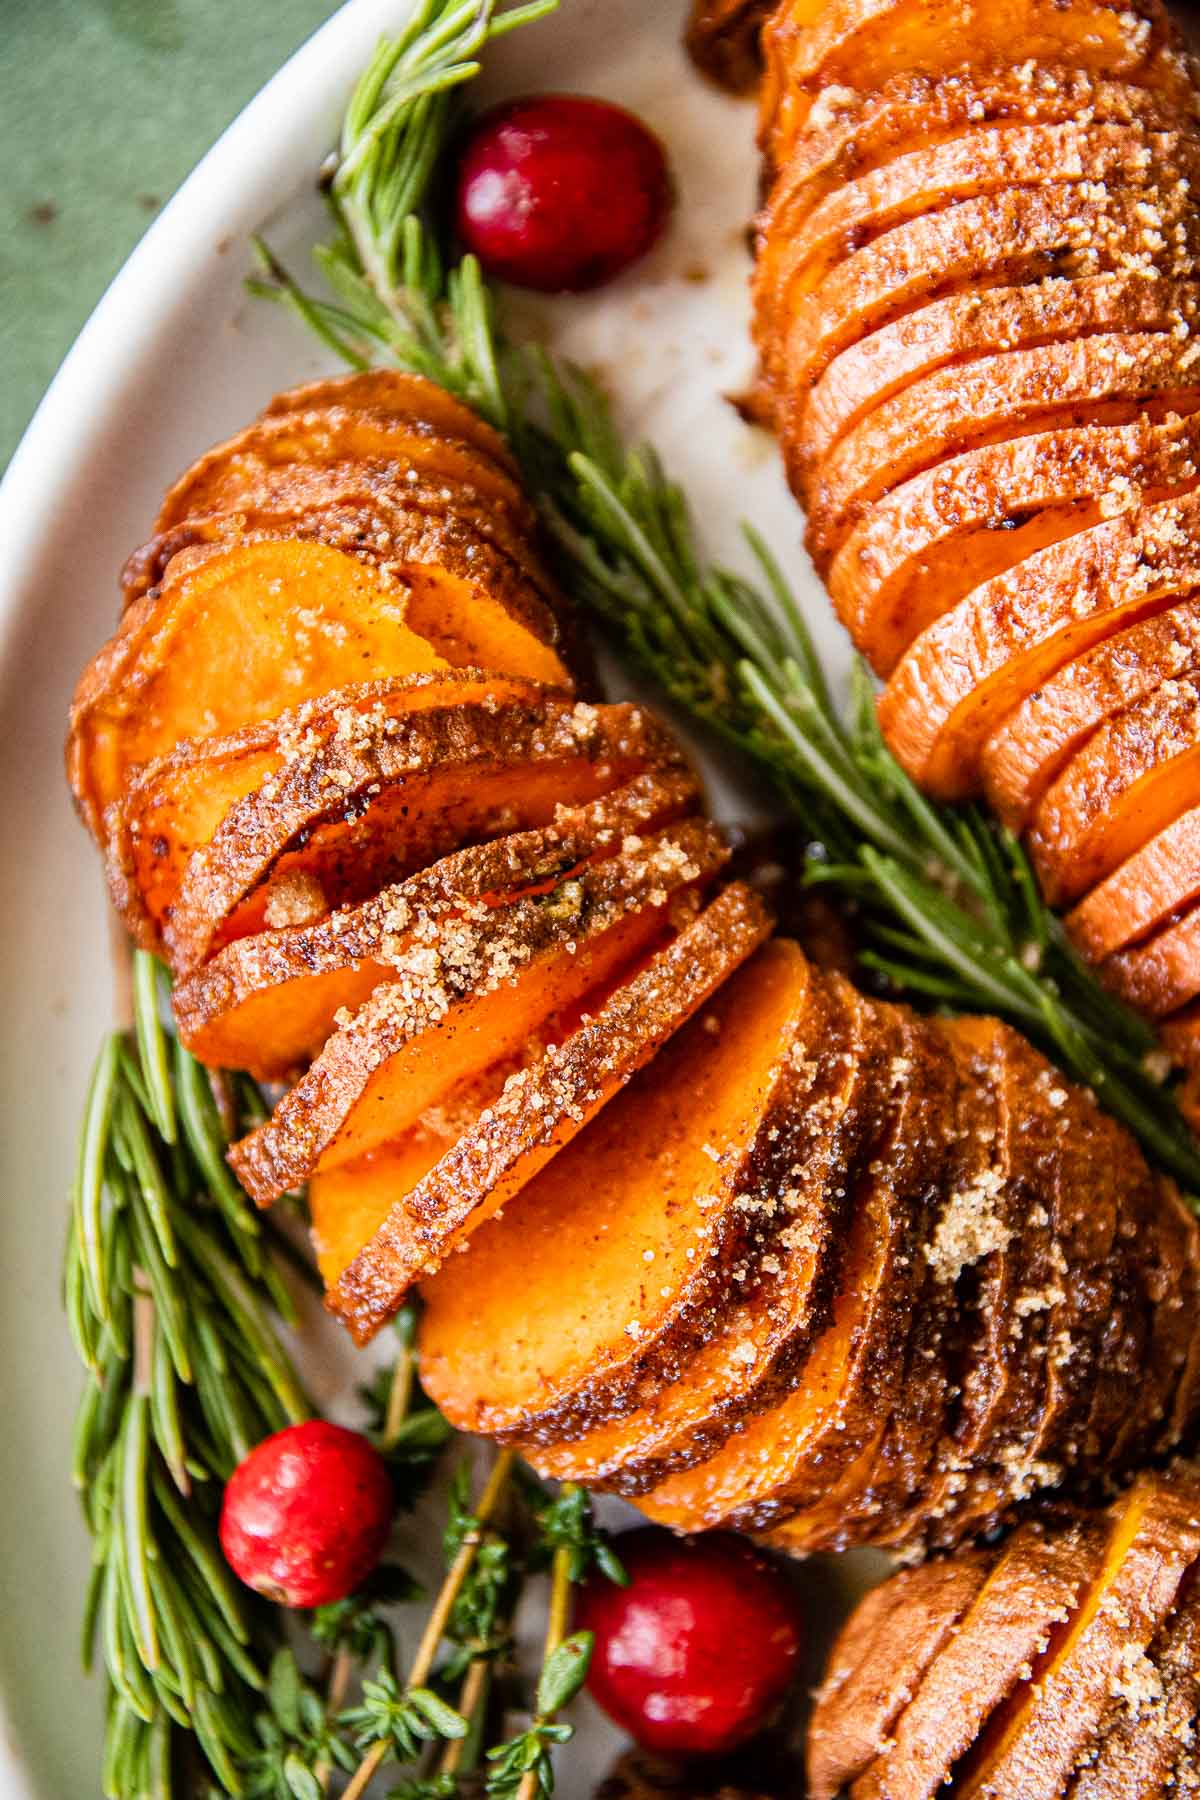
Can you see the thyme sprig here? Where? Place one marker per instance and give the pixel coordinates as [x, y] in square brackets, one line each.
[946, 898]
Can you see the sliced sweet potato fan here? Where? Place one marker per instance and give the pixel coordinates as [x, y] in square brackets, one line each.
[1067, 1670]
[791, 1259]
[975, 302]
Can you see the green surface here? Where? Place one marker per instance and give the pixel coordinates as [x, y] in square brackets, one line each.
[104, 107]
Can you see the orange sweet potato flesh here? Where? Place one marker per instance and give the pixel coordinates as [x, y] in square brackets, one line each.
[323, 438]
[967, 671]
[887, 1644]
[1035, 1582]
[794, 1453]
[382, 797]
[664, 1169]
[981, 160]
[174, 806]
[1033, 745]
[967, 324]
[1001, 239]
[465, 991]
[1130, 780]
[1036, 1741]
[990, 397]
[1162, 974]
[854, 131]
[411, 397]
[830, 1118]
[542, 1107]
[266, 1003]
[814, 44]
[252, 631]
[1149, 887]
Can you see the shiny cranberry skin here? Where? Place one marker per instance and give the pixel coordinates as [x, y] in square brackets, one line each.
[560, 193]
[695, 1654]
[307, 1513]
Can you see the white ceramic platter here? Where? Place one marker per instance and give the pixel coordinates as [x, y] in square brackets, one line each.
[176, 357]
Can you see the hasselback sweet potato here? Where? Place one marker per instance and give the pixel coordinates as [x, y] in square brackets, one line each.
[1039, 1737]
[1032, 1583]
[1071, 1672]
[975, 304]
[884, 1649]
[792, 1258]
[1161, 974]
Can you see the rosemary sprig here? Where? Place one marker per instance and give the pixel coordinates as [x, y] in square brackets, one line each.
[946, 898]
[169, 1297]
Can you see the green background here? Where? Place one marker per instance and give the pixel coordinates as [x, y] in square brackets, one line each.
[104, 107]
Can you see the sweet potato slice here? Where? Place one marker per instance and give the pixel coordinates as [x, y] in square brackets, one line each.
[410, 397]
[173, 806]
[983, 160]
[1150, 887]
[326, 437]
[251, 632]
[1151, 1724]
[385, 796]
[992, 398]
[1023, 235]
[1032, 1587]
[968, 670]
[862, 43]
[1034, 744]
[542, 1107]
[885, 1648]
[1161, 974]
[795, 1453]
[464, 991]
[842, 1053]
[1037, 1740]
[965, 325]
[267, 1003]
[1129, 781]
[927, 544]
[852, 131]
[1012, 1288]
[678, 1165]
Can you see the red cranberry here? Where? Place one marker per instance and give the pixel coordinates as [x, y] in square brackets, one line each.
[561, 193]
[306, 1514]
[695, 1654]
